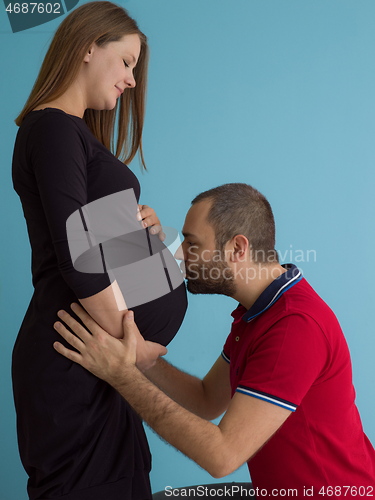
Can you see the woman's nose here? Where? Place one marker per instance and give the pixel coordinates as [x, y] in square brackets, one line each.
[130, 81]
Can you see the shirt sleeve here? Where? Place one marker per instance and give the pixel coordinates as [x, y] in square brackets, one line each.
[58, 156]
[286, 362]
[225, 353]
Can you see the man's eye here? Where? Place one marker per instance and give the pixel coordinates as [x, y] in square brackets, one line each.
[126, 64]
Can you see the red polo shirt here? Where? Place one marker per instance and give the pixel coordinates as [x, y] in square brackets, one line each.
[289, 350]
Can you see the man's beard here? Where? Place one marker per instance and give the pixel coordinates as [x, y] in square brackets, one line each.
[210, 278]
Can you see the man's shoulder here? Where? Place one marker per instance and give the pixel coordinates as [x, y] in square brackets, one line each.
[302, 300]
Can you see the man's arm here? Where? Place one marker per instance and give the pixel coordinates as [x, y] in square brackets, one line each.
[207, 398]
[220, 449]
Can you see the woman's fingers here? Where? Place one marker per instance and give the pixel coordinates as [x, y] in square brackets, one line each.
[156, 229]
[151, 221]
[146, 212]
[149, 218]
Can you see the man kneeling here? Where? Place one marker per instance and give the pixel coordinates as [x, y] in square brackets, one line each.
[283, 379]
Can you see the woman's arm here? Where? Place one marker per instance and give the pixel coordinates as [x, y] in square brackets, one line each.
[58, 158]
[107, 308]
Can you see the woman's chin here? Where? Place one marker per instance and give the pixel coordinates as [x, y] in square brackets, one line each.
[108, 106]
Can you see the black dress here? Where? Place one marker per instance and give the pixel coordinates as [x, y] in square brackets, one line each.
[78, 439]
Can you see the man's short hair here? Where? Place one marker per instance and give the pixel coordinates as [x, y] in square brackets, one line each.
[240, 209]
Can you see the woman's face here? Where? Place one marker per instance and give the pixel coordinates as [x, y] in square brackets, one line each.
[108, 71]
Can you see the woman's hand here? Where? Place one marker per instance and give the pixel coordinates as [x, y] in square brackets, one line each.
[149, 219]
[99, 352]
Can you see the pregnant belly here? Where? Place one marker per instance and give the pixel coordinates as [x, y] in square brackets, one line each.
[160, 319]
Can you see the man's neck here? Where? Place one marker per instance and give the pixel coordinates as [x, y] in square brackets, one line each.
[253, 280]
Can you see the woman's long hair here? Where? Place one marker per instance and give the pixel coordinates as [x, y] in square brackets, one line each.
[100, 23]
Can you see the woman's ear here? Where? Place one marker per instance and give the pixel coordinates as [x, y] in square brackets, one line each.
[88, 54]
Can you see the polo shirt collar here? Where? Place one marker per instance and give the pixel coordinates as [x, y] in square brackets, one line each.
[274, 291]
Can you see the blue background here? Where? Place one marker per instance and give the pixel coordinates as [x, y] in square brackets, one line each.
[275, 93]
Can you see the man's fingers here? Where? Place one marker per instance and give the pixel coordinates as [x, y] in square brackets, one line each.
[129, 327]
[142, 353]
[157, 349]
[131, 333]
[74, 341]
[163, 351]
[72, 355]
[77, 328]
[128, 320]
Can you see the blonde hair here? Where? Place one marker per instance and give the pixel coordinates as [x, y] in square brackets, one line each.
[100, 23]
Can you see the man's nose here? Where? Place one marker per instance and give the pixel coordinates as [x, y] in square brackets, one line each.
[179, 253]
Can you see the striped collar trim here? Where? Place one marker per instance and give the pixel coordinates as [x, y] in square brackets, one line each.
[274, 291]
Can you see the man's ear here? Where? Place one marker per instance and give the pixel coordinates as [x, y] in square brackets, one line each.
[239, 248]
[89, 54]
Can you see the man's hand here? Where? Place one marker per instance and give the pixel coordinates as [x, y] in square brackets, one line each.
[220, 449]
[100, 353]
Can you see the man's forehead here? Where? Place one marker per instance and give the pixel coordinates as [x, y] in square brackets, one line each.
[196, 218]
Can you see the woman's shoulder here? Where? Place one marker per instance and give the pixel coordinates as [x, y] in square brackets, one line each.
[52, 119]
[52, 128]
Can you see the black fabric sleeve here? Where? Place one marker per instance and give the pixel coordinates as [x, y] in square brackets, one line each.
[58, 155]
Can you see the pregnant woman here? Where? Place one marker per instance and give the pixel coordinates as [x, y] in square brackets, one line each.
[78, 439]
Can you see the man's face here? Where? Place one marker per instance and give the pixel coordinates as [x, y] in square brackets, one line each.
[206, 269]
